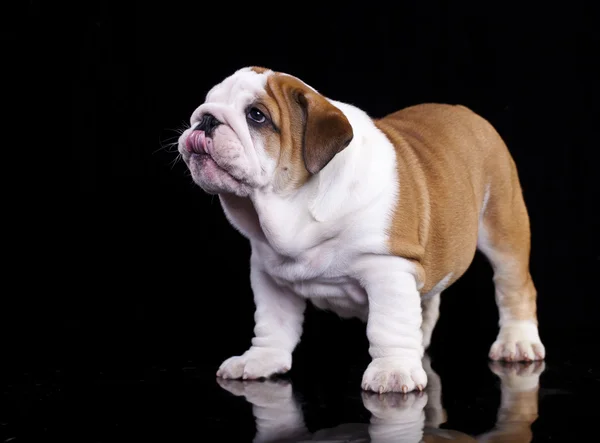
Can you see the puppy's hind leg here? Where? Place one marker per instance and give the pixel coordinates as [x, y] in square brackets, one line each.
[504, 238]
[430, 308]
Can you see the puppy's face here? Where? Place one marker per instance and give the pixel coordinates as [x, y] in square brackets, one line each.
[259, 129]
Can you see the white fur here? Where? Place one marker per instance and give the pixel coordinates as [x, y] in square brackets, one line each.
[394, 325]
[326, 242]
[430, 314]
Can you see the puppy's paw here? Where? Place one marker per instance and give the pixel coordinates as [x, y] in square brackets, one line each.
[518, 377]
[394, 374]
[518, 341]
[256, 363]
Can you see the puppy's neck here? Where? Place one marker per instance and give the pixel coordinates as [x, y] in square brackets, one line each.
[351, 181]
[294, 221]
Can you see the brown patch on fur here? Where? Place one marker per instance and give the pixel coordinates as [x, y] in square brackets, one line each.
[311, 131]
[259, 69]
[447, 156]
[327, 131]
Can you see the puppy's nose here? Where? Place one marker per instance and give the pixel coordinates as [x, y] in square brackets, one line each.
[207, 124]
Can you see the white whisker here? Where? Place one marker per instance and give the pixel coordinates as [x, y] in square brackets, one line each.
[174, 162]
[168, 147]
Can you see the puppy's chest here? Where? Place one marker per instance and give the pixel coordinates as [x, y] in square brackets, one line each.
[320, 275]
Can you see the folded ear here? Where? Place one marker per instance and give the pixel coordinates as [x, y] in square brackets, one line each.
[327, 131]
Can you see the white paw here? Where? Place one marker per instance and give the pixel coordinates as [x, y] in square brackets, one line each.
[256, 363]
[394, 374]
[518, 341]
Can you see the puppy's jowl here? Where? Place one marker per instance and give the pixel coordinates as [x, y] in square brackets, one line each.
[366, 217]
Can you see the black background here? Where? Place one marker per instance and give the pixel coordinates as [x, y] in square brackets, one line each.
[130, 286]
[145, 267]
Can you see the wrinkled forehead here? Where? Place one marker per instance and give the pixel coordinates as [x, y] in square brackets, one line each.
[240, 89]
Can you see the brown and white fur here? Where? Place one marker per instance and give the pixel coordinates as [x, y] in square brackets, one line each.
[371, 218]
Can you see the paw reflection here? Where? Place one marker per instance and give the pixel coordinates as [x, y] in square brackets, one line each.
[277, 413]
[395, 417]
[259, 392]
[518, 376]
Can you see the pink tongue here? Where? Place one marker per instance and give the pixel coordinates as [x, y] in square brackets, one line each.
[196, 143]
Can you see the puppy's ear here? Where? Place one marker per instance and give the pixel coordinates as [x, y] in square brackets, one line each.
[327, 131]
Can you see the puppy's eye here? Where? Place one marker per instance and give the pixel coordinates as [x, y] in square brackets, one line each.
[256, 115]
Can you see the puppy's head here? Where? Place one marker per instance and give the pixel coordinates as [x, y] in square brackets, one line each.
[262, 129]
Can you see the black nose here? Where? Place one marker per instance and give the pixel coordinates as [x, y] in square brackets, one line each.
[207, 124]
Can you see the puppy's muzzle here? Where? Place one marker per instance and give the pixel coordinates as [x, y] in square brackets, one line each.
[208, 124]
[199, 141]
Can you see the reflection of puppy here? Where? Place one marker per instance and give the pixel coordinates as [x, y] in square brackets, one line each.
[395, 417]
[277, 413]
[371, 218]
[519, 402]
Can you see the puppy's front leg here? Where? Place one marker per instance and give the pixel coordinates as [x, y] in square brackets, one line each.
[393, 326]
[278, 325]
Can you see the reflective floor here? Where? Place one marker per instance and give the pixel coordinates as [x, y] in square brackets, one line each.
[464, 401]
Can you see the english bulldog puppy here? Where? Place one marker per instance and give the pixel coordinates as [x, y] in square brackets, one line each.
[367, 217]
